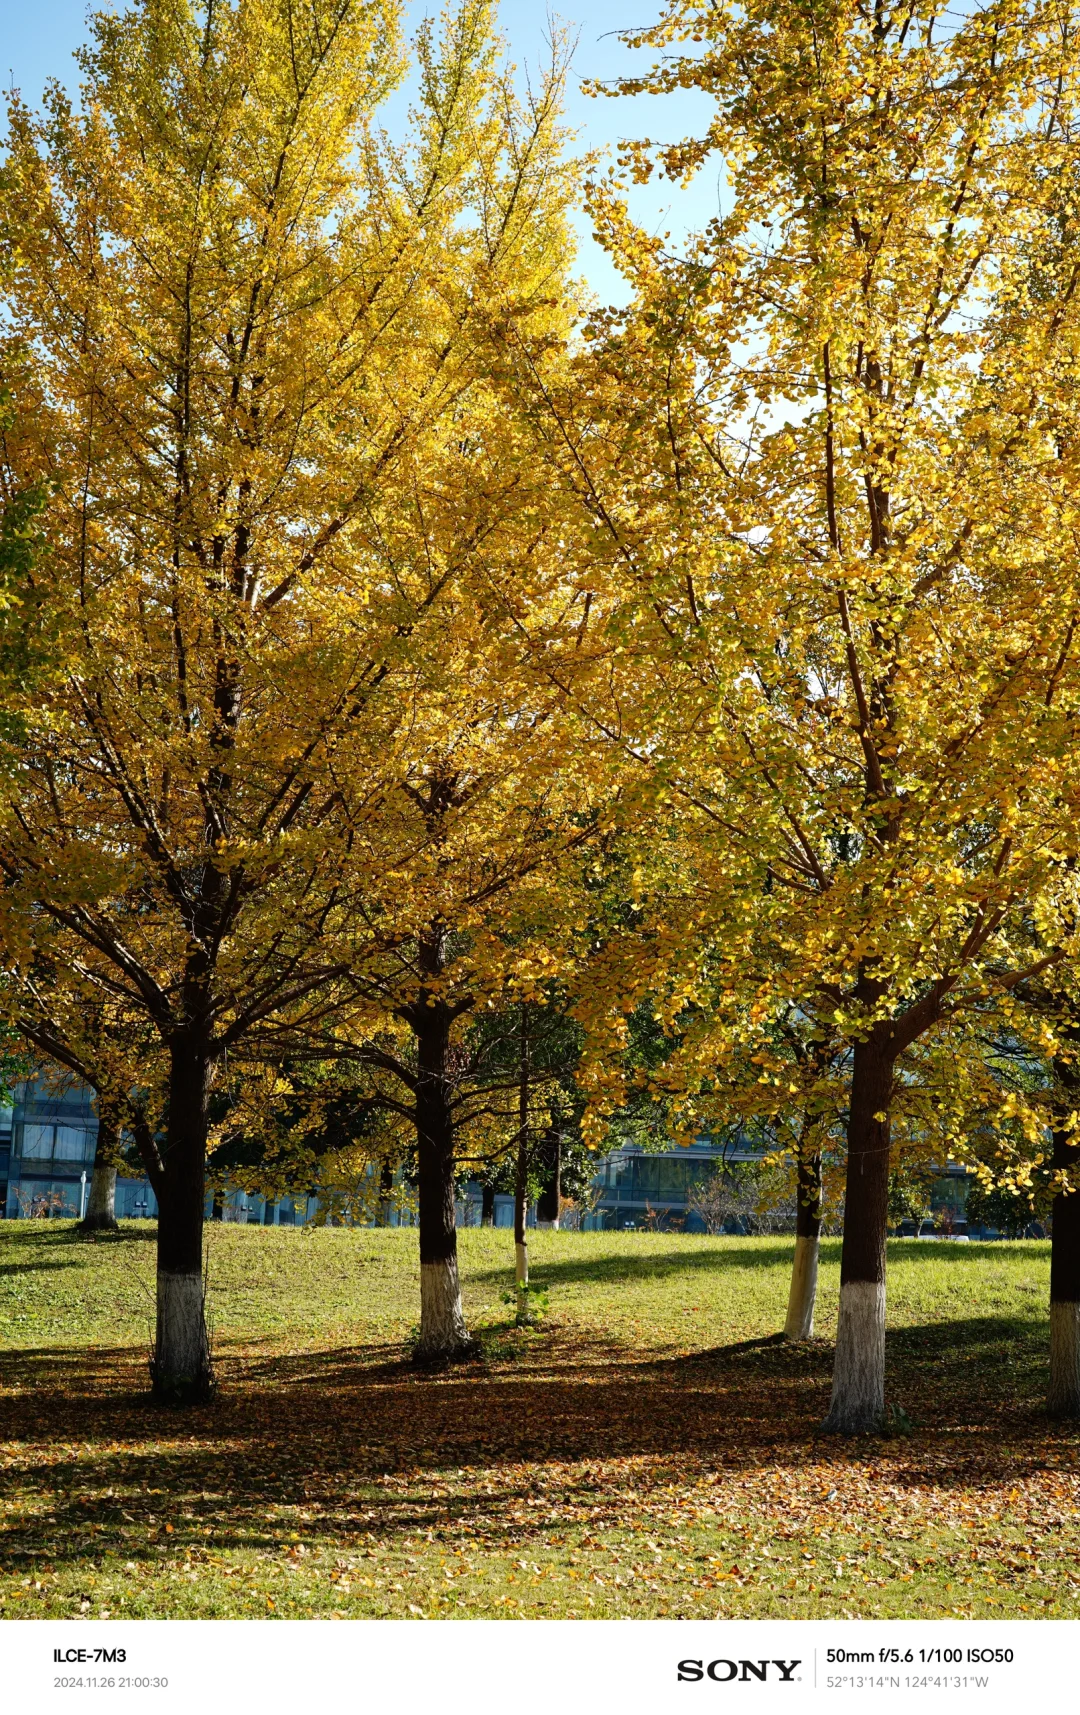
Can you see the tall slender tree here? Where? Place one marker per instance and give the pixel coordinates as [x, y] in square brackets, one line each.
[521, 1172]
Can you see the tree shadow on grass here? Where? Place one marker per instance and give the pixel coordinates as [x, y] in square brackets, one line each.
[66, 1235]
[727, 1254]
[963, 1368]
[50, 1390]
[971, 1250]
[351, 1446]
[37, 1266]
[652, 1265]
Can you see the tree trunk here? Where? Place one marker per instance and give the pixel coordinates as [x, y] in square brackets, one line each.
[547, 1207]
[1063, 1397]
[443, 1334]
[803, 1294]
[181, 1365]
[487, 1206]
[858, 1394]
[386, 1192]
[100, 1213]
[217, 1205]
[521, 1175]
[521, 1234]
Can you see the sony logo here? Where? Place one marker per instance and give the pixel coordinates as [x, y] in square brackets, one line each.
[725, 1671]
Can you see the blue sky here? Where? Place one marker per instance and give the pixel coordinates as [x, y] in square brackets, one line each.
[38, 38]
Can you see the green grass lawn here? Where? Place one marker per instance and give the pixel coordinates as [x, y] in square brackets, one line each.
[650, 1450]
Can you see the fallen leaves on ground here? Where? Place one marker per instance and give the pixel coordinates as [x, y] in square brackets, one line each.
[568, 1472]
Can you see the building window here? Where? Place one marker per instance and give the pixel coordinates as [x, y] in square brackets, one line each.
[60, 1143]
[73, 1143]
[37, 1142]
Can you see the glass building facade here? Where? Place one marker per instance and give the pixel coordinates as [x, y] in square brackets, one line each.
[632, 1189]
[47, 1147]
[48, 1138]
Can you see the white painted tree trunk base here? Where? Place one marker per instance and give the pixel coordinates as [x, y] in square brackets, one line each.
[443, 1334]
[100, 1213]
[182, 1349]
[803, 1294]
[858, 1395]
[521, 1275]
[1063, 1398]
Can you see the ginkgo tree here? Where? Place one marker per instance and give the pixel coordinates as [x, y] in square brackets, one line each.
[476, 910]
[455, 808]
[236, 319]
[820, 476]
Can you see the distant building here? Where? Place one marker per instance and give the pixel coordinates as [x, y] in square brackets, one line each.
[469, 1208]
[633, 1188]
[48, 1138]
[47, 1143]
